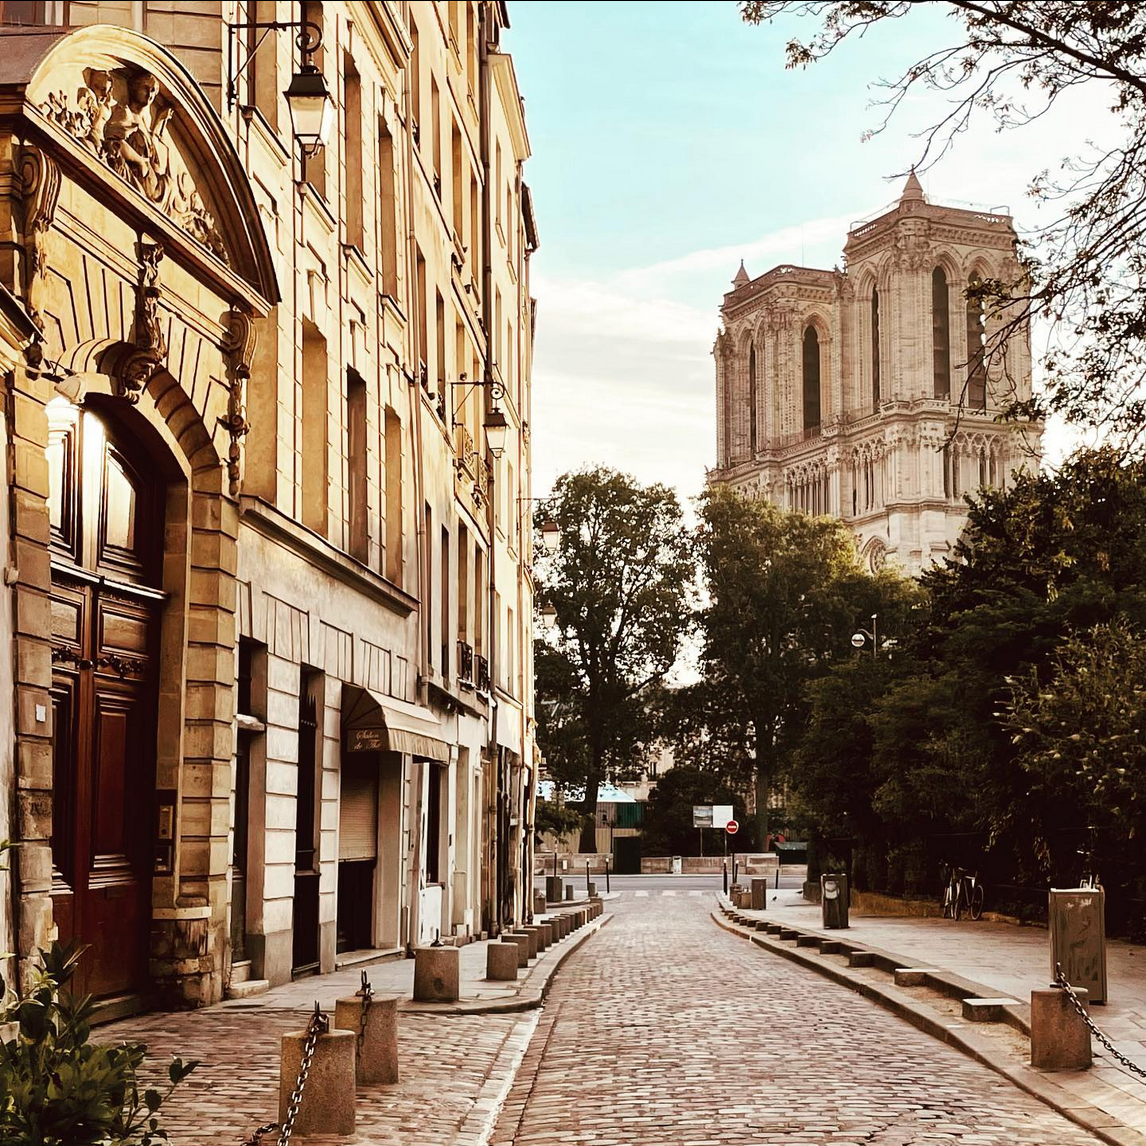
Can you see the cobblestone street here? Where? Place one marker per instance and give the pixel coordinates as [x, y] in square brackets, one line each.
[453, 1069]
[665, 1029]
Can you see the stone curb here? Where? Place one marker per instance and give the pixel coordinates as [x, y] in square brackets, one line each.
[528, 997]
[1069, 1105]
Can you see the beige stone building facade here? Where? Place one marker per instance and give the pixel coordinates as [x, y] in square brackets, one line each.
[269, 469]
[863, 393]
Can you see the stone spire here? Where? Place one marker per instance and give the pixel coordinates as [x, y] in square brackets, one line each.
[913, 189]
[741, 276]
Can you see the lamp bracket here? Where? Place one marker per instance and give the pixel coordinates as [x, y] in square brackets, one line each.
[309, 40]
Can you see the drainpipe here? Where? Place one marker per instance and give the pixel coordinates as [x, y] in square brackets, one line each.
[416, 307]
[487, 382]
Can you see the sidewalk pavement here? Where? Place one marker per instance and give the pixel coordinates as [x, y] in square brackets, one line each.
[456, 1061]
[1008, 960]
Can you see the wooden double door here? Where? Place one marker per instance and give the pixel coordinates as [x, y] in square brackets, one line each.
[106, 519]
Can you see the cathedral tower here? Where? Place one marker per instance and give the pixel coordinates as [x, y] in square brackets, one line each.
[862, 393]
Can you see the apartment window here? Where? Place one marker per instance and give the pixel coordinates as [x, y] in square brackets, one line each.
[428, 584]
[436, 130]
[475, 227]
[479, 600]
[510, 653]
[445, 582]
[471, 46]
[314, 166]
[875, 349]
[458, 183]
[353, 160]
[440, 339]
[356, 464]
[393, 467]
[420, 303]
[497, 185]
[455, 31]
[16, 13]
[811, 379]
[387, 211]
[463, 582]
[262, 66]
[122, 13]
[315, 472]
[976, 349]
[415, 80]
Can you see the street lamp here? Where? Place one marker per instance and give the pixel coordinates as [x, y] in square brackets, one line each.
[548, 615]
[496, 429]
[862, 635]
[550, 535]
[311, 108]
[308, 98]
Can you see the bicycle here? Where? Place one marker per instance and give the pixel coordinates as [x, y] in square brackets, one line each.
[963, 892]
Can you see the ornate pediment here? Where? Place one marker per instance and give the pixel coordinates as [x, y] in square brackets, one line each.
[123, 117]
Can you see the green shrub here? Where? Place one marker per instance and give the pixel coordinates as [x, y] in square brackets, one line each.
[57, 1088]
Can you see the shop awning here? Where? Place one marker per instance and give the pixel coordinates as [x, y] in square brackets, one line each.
[373, 723]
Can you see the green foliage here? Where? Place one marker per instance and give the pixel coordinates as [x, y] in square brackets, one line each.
[1082, 273]
[1011, 719]
[668, 826]
[1080, 734]
[555, 819]
[785, 595]
[620, 583]
[57, 1088]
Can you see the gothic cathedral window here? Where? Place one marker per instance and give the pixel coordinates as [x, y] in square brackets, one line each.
[811, 380]
[752, 397]
[976, 344]
[875, 350]
[941, 333]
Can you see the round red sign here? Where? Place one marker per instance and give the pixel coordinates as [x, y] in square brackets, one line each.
[732, 827]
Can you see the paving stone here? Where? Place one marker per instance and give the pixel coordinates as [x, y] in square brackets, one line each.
[666, 1030]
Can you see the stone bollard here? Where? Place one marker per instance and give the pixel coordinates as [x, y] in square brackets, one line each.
[535, 934]
[377, 1057]
[501, 960]
[592, 890]
[436, 974]
[328, 1101]
[1060, 1040]
[759, 893]
[568, 891]
[522, 944]
[563, 925]
[553, 889]
[547, 933]
[531, 936]
[539, 903]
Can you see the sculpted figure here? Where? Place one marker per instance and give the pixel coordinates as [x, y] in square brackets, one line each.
[134, 135]
[96, 105]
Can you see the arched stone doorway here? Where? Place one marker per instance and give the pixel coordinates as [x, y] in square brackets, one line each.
[137, 249]
[106, 506]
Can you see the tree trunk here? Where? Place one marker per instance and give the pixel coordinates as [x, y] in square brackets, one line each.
[588, 840]
[763, 791]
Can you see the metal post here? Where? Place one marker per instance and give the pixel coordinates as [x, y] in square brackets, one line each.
[586, 880]
[607, 888]
[724, 870]
[554, 862]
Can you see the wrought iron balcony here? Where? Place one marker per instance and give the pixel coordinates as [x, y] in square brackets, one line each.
[465, 663]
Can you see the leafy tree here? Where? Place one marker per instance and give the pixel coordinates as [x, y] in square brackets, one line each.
[668, 826]
[785, 594]
[1083, 272]
[620, 583]
[1080, 732]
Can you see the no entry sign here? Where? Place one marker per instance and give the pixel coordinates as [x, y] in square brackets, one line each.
[732, 827]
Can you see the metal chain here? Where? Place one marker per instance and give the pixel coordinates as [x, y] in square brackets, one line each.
[367, 993]
[1061, 981]
[257, 1136]
[319, 1024]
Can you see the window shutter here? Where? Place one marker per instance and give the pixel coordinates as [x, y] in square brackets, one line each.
[358, 812]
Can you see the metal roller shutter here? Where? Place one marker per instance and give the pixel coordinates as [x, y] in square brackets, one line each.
[358, 812]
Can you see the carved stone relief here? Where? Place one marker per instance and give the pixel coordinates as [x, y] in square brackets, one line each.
[122, 118]
[238, 348]
[148, 350]
[40, 192]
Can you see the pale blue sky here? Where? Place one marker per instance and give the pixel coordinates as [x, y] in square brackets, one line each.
[668, 143]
